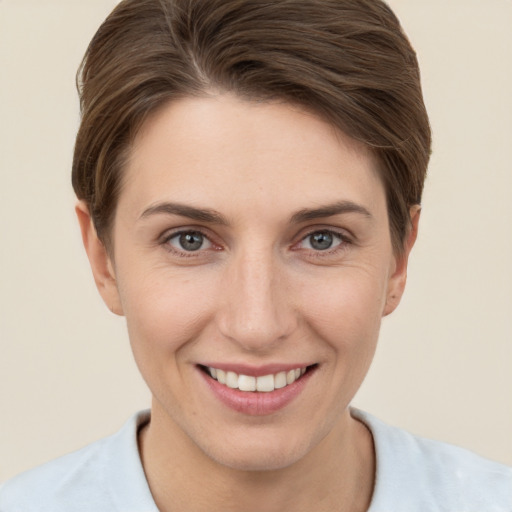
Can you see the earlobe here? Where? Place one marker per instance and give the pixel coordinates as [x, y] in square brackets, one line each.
[99, 259]
[397, 281]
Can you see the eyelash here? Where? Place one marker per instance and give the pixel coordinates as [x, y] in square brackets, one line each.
[183, 253]
[344, 242]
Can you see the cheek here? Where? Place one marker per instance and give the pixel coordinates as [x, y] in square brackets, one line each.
[164, 312]
[346, 311]
[344, 316]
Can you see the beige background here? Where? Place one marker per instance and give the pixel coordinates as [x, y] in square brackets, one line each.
[443, 368]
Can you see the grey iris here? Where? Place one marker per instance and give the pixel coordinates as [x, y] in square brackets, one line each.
[191, 241]
[321, 241]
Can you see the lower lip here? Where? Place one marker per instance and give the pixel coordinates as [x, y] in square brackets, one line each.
[254, 403]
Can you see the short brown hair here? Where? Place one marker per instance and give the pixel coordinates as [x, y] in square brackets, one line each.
[346, 60]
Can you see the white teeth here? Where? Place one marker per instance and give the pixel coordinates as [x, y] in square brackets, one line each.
[247, 383]
[264, 383]
[221, 376]
[280, 380]
[231, 380]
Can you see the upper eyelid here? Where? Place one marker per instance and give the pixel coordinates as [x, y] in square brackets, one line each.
[344, 234]
[172, 232]
[342, 238]
[168, 235]
[346, 241]
[331, 231]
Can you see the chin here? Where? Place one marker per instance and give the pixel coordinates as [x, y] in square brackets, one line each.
[256, 459]
[270, 452]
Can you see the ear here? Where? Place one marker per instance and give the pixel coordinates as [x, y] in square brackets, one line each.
[101, 262]
[396, 285]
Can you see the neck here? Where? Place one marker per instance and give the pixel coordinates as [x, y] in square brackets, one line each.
[337, 474]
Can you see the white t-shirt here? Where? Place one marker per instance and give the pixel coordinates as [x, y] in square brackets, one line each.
[413, 475]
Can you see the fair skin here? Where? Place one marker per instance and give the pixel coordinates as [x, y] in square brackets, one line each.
[252, 238]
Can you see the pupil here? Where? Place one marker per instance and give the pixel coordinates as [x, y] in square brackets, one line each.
[321, 241]
[191, 241]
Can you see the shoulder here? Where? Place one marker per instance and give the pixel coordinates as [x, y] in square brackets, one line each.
[54, 483]
[85, 479]
[424, 475]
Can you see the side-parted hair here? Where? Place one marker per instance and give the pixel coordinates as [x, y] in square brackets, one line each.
[348, 61]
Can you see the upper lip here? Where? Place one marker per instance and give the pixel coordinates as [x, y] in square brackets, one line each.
[255, 371]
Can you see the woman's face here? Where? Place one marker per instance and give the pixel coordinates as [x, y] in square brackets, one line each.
[253, 239]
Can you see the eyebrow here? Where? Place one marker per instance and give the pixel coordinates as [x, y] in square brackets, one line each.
[214, 217]
[330, 210]
[183, 210]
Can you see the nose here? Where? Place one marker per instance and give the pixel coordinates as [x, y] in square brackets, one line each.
[256, 308]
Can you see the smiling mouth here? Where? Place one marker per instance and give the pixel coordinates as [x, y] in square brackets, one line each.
[263, 383]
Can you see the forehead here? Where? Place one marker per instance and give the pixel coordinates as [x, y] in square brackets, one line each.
[222, 149]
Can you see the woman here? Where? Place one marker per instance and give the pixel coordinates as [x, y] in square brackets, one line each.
[249, 176]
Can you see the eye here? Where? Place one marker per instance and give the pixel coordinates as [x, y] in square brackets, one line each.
[189, 241]
[321, 240]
